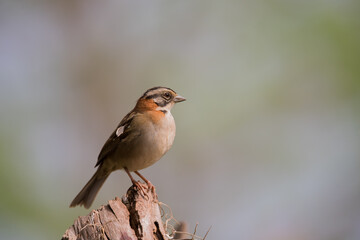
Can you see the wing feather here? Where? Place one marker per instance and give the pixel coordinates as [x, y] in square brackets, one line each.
[120, 133]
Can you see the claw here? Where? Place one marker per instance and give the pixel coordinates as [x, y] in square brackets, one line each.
[142, 190]
[151, 188]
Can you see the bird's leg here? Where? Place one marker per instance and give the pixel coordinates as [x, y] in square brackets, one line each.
[150, 185]
[135, 182]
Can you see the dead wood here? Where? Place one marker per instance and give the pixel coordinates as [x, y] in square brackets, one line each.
[133, 217]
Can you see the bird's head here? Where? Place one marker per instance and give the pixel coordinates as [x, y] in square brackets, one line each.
[159, 98]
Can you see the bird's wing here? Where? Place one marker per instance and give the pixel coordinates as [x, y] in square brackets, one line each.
[120, 133]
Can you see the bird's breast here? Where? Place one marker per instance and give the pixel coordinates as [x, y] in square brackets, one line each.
[155, 139]
[159, 135]
[164, 132]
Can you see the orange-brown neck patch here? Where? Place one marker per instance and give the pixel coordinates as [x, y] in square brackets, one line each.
[149, 106]
[145, 105]
[156, 116]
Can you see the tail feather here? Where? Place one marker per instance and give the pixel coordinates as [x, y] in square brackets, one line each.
[87, 195]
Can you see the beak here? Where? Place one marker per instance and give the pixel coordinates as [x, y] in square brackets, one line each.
[179, 98]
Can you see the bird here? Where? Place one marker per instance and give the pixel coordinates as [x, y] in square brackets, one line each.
[142, 137]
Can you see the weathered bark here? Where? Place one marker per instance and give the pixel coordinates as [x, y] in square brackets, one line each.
[134, 217]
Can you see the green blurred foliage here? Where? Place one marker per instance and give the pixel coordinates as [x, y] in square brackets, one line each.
[268, 138]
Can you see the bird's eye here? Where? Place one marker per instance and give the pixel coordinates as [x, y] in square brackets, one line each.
[167, 95]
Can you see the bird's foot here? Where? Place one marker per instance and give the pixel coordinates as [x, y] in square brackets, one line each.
[151, 188]
[140, 187]
[145, 191]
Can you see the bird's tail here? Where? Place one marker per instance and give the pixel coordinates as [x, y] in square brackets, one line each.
[87, 195]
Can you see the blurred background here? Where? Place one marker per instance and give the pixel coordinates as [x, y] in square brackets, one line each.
[268, 142]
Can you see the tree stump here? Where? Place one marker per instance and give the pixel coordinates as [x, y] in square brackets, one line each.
[133, 217]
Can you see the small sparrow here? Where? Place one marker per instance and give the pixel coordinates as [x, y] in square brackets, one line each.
[143, 136]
